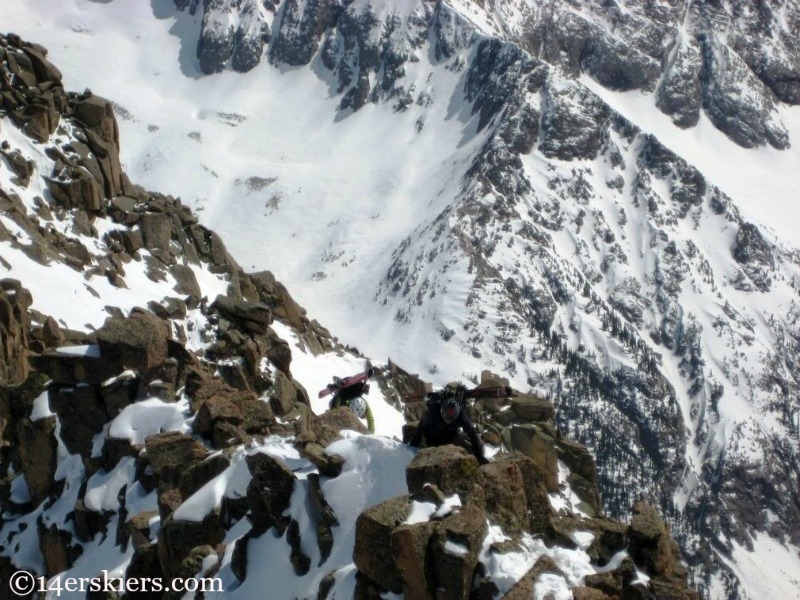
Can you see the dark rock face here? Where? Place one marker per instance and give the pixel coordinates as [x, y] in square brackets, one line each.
[229, 417]
[374, 529]
[297, 36]
[774, 26]
[693, 66]
[748, 120]
[252, 317]
[454, 571]
[215, 46]
[573, 124]
[750, 247]
[493, 76]
[249, 40]
[752, 251]
[58, 551]
[652, 547]
[81, 413]
[678, 95]
[37, 447]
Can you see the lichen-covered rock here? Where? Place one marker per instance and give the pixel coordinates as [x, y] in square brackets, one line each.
[651, 545]
[410, 547]
[251, 316]
[450, 468]
[537, 500]
[171, 454]
[505, 504]
[139, 528]
[532, 408]
[138, 342]
[283, 395]
[198, 474]
[325, 428]
[373, 537]
[329, 465]
[156, 229]
[219, 408]
[536, 443]
[455, 547]
[177, 539]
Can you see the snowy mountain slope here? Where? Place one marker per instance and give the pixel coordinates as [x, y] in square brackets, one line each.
[127, 440]
[478, 232]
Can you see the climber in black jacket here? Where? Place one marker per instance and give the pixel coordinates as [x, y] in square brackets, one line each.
[443, 423]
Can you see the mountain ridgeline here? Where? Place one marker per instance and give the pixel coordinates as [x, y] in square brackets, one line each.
[626, 285]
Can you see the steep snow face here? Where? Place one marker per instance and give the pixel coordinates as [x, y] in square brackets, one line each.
[436, 194]
[698, 58]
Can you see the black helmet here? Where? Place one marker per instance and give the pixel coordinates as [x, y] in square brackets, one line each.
[450, 410]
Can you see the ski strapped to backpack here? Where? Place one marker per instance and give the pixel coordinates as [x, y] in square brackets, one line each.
[460, 393]
[340, 384]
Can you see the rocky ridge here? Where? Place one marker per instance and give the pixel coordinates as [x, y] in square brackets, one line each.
[223, 377]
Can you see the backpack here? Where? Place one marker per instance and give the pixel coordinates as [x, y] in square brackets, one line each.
[343, 396]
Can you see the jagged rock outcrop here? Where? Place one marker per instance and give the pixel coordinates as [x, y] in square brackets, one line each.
[442, 553]
[231, 31]
[14, 326]
[28, 68]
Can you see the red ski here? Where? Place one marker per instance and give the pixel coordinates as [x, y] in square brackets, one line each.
[340, 384]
